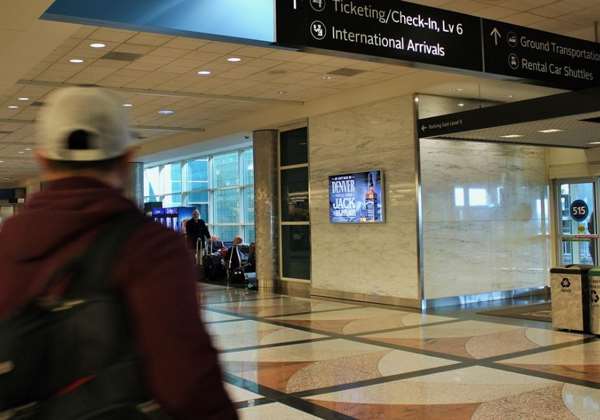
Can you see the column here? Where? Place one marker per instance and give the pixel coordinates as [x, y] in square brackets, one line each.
[266, 206]
[135, 188]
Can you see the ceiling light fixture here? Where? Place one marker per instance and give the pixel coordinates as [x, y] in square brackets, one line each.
[28, 149]
[512, 136]
[21, 152]
[416, 99]
[459, 89]
[76, 60]
[13, 107]
[23, 98]
[594, 142]
[204, 72]
[550, 130]
[166, 112]
[282, 92]
[127, 105]
[327, 77]
[97, 45]
[234, 59]
[461, 104]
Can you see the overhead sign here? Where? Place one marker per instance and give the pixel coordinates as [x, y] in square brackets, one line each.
[234, 19]
[530, 54]
[406, 31]
[382, 28]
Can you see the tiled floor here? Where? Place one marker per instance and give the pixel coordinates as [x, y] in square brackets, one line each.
[293, 358]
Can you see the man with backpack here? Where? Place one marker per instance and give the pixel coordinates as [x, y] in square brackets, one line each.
[98, 306]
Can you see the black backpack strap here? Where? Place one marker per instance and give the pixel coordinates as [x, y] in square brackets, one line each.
[92, 271]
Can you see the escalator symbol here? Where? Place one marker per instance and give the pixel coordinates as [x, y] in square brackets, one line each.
[595, 297]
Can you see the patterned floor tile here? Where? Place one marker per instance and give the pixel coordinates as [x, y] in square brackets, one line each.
[211, 316]
[472, 393]
[281, 305]
[578, 362]
[474, 339]
[274, 411]
[360, 320]
[321, 364]
[240, 334]
[238, 394]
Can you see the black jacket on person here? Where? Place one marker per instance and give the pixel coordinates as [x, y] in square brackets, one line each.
[196, 229]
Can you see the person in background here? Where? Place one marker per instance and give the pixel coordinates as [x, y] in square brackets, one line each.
[83, 151]
[196, 229]
[233, 257]
[250, 266]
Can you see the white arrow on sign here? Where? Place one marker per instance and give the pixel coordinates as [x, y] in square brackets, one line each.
[423, 128]
[295, 4]
[496, 34]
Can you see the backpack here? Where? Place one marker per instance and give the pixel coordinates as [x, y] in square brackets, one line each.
[73, 357]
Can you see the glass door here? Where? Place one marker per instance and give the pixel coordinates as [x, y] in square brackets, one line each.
[577, 236]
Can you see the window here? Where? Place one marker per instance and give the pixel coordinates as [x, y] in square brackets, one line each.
[294, 147]
[171, 178]
[294, 214]
[226, 170]
[294, 194]
[221, 187]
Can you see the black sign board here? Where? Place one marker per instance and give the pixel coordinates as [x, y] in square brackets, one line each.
[552, 59]
[410, 32]
[382, 28]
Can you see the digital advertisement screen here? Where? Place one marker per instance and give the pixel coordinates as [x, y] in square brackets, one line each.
[356, 198]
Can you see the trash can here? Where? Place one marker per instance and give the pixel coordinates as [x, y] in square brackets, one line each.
[570, 291]
[594, 300]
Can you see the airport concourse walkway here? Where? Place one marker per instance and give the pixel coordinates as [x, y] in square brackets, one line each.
[294, 358]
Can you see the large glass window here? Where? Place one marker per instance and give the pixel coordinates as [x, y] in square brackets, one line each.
[226, 171]
[221, 187]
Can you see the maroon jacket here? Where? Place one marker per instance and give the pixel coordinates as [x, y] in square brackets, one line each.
[156, 277]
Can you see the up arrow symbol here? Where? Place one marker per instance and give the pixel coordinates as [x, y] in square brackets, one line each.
[496, 34]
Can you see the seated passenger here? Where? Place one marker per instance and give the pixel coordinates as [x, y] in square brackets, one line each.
[250, 266]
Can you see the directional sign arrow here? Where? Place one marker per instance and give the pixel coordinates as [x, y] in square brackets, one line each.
[496, 34]
[295, 4]
[423, 128]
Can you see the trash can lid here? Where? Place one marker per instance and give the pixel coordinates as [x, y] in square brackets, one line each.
[572, 269]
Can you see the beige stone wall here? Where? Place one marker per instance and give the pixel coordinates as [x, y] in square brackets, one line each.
[374, 260]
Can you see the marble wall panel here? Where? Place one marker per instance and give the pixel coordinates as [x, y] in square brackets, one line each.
[378, 260]
[485, 217]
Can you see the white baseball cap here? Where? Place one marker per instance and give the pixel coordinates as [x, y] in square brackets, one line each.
[83, 124]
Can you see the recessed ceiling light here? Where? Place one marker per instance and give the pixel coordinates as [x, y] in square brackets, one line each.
[512, 136]
[21, 152]
[97, 45]
[511, 96]
[13, 107]
[461, 104]
[204, 72]
[594, 142]
[282, 92]
[76, 60]
[23, 98]
[166, 112]
[127, 105]
[1, 161]
[459, 89]
[416, 99]
[234, 59]
[327, 77]
[550, 130]
[28, 149]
